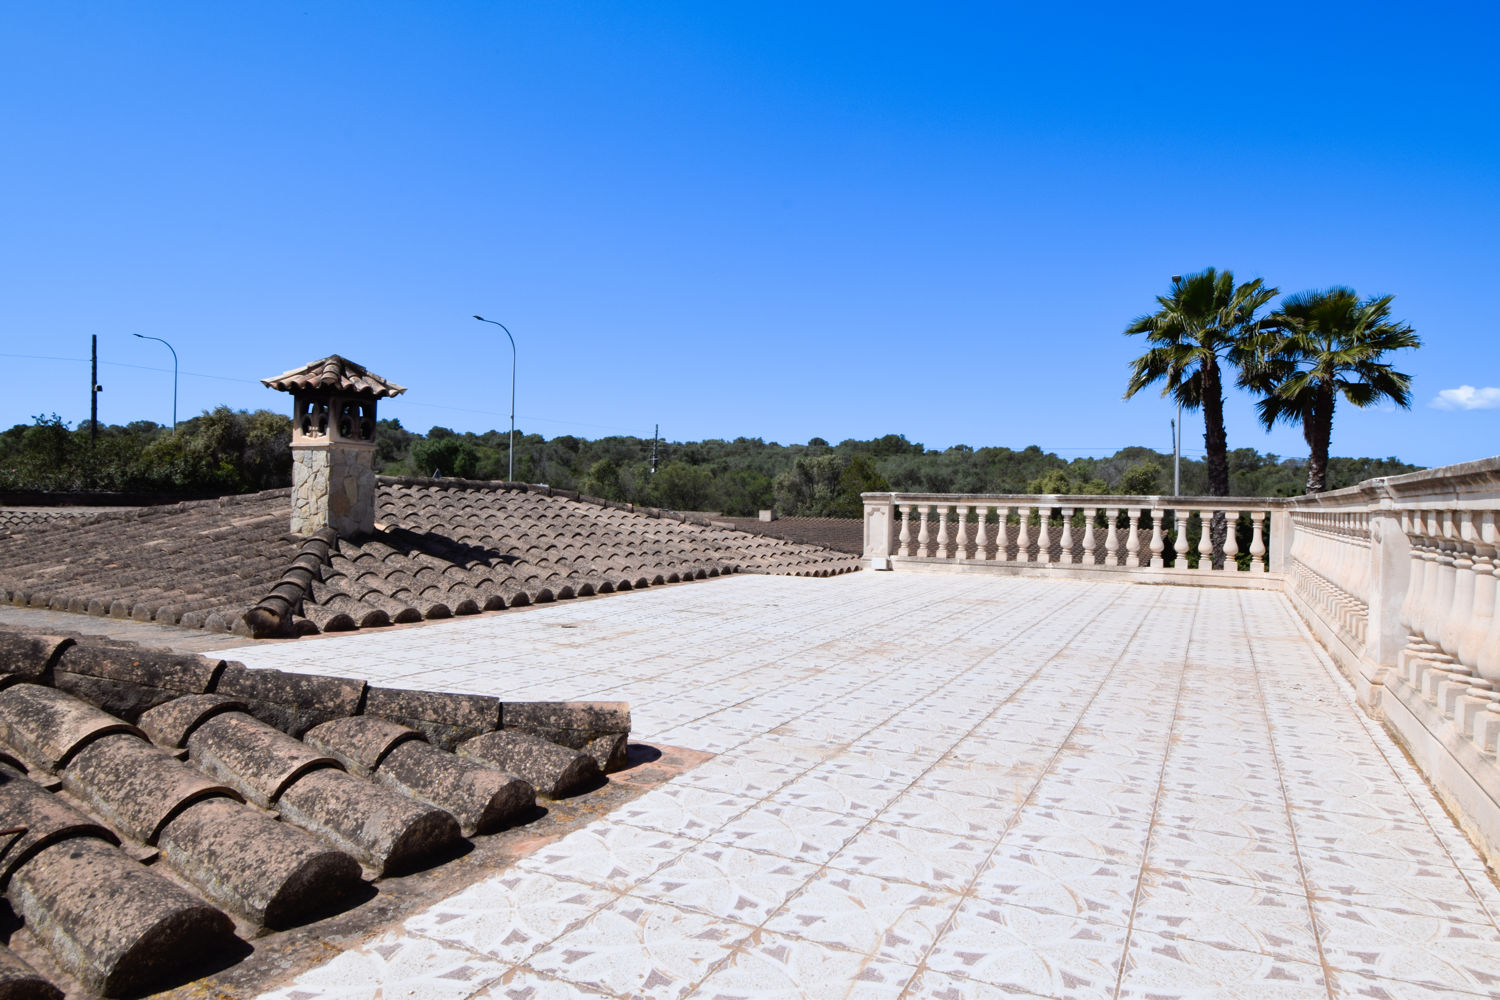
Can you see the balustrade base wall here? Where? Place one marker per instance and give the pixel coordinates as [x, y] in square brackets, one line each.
[1143, 575]
[1461, 769]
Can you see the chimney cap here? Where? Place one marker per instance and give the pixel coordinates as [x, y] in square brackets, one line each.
[334, 374]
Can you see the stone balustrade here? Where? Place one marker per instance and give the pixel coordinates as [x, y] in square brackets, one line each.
[1398, 578]
[1153, 536]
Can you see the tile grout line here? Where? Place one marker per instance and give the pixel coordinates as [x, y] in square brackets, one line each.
[1135, 900]
[1286, 802]
[619, 894]
[967, 892]
[725, 961]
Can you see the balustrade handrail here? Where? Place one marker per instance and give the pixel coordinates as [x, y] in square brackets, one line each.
[1084, 500]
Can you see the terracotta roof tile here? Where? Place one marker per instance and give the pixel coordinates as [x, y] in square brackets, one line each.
[336, 374]
[290, 783]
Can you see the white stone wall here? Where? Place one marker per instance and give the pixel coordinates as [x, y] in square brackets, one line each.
[333, 486]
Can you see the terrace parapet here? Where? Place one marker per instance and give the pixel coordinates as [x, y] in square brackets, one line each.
[1152, 539]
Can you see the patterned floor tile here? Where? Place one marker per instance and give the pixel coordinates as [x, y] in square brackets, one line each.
[1228, 915]
[1030, 951]
[772, 966]
[508, 917]
[895, 921]
[911, 854]
[1179, 968]
[684, 811]
[639, 948]
[395, 965]
[957, 813]
[615, 856]
[1084, 888]
[1401, 946]
[1091, 835]
[790, 831]
[933, 985]
[718, 880]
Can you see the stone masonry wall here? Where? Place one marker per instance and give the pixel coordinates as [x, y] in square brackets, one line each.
[333, 486]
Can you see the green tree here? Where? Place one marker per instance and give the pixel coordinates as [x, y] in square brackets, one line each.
[680, 486]
[452, 456]
[1142, 479]
[859, 476]
[1321, 345]
[1203, 323]
[810, 488]
[1057, 482]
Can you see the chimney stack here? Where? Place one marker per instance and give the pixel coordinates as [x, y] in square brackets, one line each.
[333, 444]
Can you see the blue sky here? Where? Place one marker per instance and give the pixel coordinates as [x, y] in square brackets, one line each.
[766, 220]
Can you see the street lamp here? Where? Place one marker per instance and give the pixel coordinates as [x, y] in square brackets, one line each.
[511, 476]
[174, 375]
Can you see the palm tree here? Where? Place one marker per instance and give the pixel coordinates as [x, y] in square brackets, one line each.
[1205, 321]
[1318, 346]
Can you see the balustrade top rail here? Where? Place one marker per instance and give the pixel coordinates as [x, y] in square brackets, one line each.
[1083, 501]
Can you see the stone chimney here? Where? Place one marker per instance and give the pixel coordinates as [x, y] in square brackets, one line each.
[333, 444]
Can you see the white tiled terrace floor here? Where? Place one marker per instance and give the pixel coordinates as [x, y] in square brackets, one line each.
[934, 786]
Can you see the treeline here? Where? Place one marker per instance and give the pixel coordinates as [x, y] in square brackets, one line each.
[224, 451]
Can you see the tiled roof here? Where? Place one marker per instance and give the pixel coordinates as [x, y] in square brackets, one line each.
[334, 374]
[197, 564]
[13, 518]
[441, 548]
[205, 801]
[842, 534]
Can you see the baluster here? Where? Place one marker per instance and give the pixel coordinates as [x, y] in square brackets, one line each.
[982, 531]
[1461, 605]
[1132, 537]
[1180, 542]
[924, 538]
[961, 544]
[1023, 537]
[1111, 540]
[1446, 578]
[1231, 543]
[1002, 535]
[906, 529]
[1471, 639]
[1422, 611]
[1157, 562]
[1259, 563]
[1411, 527]
[942, 538]
[1044, 536]
[1089, 513]
[1206, 540]
[1067, 536]
[1487, 661]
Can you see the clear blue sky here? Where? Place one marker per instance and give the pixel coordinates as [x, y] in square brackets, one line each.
[769, 220]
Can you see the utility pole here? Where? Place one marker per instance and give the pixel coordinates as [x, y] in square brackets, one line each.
[94, 389]
[1177, 453]
[655, 436]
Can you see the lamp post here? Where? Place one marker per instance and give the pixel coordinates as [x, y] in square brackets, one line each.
[511, 476]
[174, 374]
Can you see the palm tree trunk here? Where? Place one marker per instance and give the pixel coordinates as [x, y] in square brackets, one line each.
[1216, 448]
[1319, 435]
[1215, 441]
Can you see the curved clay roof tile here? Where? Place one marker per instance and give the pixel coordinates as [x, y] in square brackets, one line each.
[334, 373]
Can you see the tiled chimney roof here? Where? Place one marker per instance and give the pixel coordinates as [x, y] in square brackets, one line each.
[335, 374]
